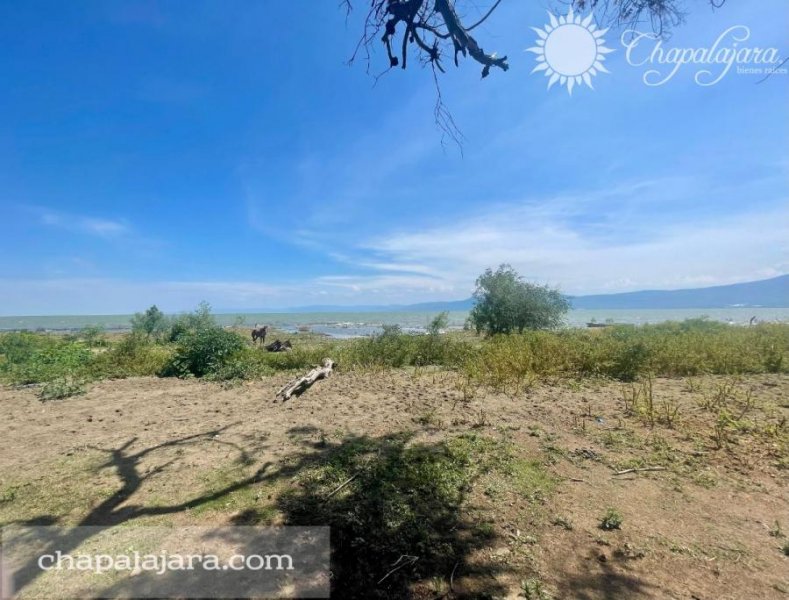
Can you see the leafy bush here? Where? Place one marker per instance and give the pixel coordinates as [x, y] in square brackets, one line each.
[93, 336]
[134, 356]
[62, 387]
[505, 303]
[203, 352]
[152, 323]
[612, 519]
[247, 363]
[198, 320]
[439, 323]
[18, 347]
[392, 348]
[32, 358]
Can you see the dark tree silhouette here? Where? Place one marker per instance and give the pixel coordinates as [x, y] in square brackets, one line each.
[436, 29]
[432, 30]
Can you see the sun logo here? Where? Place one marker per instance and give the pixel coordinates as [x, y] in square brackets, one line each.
[570, 50]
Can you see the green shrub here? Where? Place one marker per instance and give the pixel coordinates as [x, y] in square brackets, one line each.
[438, 323]
[245, 364]
[93, 336]
[151, 323]
[33, 358]
[134, 356]
[62, 387]
[203, 352]
[187, 323]
[612, 519]
[506, 303]
[394, 349]
[629, 361]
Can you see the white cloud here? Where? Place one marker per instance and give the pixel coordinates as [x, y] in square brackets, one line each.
[550, 248]
[101, 227]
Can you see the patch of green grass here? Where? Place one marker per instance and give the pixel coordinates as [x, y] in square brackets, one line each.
[530, 478]
[612, 519]
[254, 497]
[563, 522]
[35, 358]
[62, 387]
[533, 589]
[65, 489]
[392, 496]
[133, 356]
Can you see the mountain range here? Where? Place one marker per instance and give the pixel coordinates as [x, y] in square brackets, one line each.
[767, 293]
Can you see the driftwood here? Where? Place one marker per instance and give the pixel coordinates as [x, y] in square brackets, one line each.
[302, 384]
[640, 470]
[278, 346]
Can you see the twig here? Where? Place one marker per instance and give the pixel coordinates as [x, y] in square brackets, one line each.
[452, 578]
[640, 470]
[483, 19]
[409, 560]
[342, 485]
[575, 479]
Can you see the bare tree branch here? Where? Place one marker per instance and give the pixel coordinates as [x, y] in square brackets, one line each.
[485, 17]
[662, 15]
[428, 27]
[427, 24]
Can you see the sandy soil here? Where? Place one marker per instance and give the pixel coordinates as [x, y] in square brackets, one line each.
[709, 526]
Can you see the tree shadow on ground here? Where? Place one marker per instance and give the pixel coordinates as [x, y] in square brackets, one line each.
[609, 580]
[117, 509]
[395, 508]
[396, 511]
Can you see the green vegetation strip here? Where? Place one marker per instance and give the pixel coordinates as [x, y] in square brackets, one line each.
[193, 345]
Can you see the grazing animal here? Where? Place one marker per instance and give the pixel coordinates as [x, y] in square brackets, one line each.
[278, 346]
[259, 333]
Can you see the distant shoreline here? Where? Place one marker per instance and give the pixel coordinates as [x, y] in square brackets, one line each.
[363, 323]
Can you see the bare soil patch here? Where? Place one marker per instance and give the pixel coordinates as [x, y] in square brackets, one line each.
[711, 525]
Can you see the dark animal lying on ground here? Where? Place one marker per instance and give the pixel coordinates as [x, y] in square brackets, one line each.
[278, 346]
[259, 333]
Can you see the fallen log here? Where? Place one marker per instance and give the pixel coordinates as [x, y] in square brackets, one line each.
[300, 385]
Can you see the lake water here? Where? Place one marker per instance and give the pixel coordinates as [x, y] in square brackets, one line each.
[353, 324]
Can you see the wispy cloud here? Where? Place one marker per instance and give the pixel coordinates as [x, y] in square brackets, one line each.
[83, 224]
[593, 243]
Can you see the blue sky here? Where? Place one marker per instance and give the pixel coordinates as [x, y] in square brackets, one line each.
[173, 152]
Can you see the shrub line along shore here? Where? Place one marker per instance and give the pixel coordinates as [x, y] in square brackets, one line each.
[194, 345]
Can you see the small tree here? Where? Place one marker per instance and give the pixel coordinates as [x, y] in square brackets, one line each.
[505, 303]
[438, 323]
[152, 323]
[197, 320]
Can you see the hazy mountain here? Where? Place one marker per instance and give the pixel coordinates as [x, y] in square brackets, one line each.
[768, 293]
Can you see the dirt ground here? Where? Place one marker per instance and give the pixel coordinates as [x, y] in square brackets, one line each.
[709, 524]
